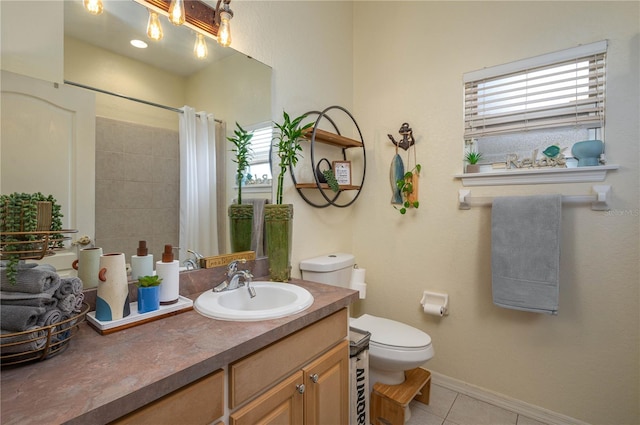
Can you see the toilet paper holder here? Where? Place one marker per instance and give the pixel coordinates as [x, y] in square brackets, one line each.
[436, 299]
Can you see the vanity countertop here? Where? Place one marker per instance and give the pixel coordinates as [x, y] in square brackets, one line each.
[102, 377]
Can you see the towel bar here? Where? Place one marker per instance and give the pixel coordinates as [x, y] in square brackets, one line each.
[599, 200]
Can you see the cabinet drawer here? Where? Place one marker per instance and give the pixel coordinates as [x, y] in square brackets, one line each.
[256, 372]
[200, 402]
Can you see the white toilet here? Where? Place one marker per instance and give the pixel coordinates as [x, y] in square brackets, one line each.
[394, 347]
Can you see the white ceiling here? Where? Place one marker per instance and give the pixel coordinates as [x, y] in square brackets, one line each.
[124, 20]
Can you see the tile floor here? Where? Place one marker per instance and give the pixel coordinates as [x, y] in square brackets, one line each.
[447, 407]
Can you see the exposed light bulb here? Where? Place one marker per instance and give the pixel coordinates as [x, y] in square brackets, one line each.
[224, 31]
[200, 48]
[154, 29]
[176, 12]
[93, 6]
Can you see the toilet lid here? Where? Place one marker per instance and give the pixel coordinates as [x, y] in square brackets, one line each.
[389, 332]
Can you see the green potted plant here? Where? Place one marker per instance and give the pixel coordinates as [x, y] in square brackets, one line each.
[278, 217]
[472, 159]
[148, 293]
[28, 223]
[408, 186]
[241, 216]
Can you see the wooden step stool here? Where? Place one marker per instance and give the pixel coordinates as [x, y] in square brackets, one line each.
[388, 402]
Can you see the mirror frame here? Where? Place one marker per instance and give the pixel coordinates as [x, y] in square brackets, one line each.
[197, 13]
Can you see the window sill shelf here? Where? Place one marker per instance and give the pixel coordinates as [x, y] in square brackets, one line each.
[536, 176]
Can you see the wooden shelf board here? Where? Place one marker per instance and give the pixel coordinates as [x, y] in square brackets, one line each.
[325, 186]
[333, 139]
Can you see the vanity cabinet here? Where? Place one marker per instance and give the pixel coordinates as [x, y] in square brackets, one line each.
[301, 379]
[335, 139]
[200, 402]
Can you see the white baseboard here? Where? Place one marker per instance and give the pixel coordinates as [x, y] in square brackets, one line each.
[500, 400]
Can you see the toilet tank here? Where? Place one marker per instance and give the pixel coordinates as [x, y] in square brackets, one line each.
[332, 269]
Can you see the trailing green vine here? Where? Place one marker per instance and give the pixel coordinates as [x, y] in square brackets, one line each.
[405, 185]
[331, 180]
[19, 214]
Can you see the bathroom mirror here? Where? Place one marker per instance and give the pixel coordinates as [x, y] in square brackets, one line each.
[242, 95]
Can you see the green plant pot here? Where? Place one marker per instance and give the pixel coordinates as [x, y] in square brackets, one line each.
[240, 226]
[278, 227]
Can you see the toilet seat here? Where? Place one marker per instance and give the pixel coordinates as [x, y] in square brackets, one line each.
[390, 334]
[394, 346]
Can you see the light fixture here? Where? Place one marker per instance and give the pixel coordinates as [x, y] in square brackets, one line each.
[176, 12]
[154, 29]
[200, 48]
[139, 44]
[222, 18]
[93, 6]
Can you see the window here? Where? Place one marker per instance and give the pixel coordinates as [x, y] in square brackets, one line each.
[260, 168]
[558, 98]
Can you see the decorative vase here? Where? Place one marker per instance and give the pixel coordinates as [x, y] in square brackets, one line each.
[112, 301]
[241, 225]
[88, 266]
[413, 196]
[588, 152]
[148, 298]
[278, 227]
[319, 175]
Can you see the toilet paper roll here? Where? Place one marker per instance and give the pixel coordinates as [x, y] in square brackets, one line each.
[434, 309]
[361, 288]
[357, 276]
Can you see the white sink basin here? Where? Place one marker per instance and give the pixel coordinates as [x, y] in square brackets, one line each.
[272, 300]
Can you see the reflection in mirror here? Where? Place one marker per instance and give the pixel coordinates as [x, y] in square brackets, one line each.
[137, 145]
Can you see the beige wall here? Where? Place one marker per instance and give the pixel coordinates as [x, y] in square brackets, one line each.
[584, 363]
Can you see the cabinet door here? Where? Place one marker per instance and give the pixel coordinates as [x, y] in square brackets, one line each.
[327, 388]
[281, 405]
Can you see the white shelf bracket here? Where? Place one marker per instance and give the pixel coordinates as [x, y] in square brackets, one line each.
[601, 202]
[462, 201]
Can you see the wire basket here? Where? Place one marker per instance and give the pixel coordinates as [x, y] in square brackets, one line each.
[31, 245]
[40, 343]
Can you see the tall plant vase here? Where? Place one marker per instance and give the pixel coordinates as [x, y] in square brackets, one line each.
[278, 225]
[240, 226]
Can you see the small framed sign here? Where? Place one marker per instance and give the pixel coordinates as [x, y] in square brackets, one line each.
[342, 171]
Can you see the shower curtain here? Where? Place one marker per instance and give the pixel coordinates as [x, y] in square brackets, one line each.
[198, 197]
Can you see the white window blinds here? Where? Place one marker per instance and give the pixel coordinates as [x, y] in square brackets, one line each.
[261, 142]
[560, 89]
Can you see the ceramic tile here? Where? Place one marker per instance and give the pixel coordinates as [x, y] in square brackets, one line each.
[440, 401]
[422, 417]
[523, 420]
[469, 411]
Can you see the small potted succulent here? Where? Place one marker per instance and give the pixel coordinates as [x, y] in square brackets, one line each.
[148, 293]
[472, 159]
[241, 215]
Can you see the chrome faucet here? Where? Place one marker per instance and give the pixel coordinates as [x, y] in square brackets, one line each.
[233, 279]
[193, 262]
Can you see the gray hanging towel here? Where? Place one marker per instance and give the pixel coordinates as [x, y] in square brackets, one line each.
[525, 252]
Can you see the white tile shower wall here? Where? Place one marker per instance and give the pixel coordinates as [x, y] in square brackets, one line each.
[137, 187]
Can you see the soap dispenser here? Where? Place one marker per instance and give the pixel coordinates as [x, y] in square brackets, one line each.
[142, 263]
[168, 270]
